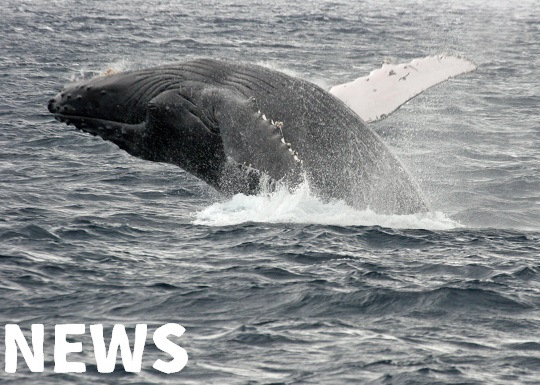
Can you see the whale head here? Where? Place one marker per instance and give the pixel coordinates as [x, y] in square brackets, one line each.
[151, 115]
[101, 101]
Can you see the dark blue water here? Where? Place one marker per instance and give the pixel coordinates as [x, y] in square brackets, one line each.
[280, 289]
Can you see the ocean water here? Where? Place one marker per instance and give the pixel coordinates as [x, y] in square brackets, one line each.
[279, 288]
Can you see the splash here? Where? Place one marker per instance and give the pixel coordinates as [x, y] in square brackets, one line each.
[107, 69]
[302, 206]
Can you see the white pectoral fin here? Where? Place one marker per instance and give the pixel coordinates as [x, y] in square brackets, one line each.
[383, 91]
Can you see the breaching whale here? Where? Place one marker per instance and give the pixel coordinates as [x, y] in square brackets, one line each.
[239, 126]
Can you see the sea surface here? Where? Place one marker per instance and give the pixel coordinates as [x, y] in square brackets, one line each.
[280, 288]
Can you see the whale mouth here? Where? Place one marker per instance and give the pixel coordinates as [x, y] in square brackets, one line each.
[95, 126]
[124, 135]
[106, 128]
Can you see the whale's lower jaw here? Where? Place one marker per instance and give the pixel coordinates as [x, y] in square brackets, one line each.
[95, 126]
[126, 136]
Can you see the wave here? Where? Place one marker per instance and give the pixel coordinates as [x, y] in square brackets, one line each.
[303, 206]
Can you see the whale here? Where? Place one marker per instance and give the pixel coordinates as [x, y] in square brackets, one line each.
[243, 128]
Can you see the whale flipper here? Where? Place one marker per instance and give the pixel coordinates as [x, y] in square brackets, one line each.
[383, 91]
[176, 125]
[254, 140]
[240, 143]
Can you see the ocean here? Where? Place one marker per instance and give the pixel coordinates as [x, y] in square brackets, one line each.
[280, 288]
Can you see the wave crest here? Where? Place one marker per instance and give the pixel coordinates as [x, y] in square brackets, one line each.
[303, 206]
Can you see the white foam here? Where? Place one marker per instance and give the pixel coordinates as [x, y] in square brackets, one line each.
[119, 66]
[301, 206]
